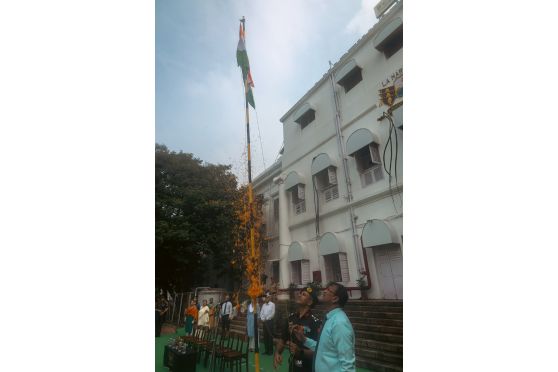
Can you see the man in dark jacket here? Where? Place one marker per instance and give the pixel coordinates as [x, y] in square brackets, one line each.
[300, 359]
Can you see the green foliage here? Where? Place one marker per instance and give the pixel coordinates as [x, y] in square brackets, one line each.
[315, 285]
[194, 220]
[361, 281]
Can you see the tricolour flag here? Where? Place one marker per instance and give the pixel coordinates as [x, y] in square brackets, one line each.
[242, 60]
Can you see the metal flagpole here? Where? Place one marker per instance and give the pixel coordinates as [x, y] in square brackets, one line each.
[251, 209]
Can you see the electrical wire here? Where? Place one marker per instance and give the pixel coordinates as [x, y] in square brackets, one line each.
[389, 143]
[257, 125]
[396, 153]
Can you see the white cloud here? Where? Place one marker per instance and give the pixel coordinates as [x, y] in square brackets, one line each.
[284, 29]
[364, 19]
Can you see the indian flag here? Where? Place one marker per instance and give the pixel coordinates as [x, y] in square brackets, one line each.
[242, 61]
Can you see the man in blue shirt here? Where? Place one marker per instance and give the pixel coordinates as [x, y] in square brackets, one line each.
[335, 348]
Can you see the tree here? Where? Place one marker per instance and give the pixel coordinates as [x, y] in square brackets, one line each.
[194, 220]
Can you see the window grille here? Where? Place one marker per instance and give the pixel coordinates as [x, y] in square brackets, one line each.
[331, 193]
[300, 207]
[371, 175]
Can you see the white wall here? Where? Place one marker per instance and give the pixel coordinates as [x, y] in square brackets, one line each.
[360, 108]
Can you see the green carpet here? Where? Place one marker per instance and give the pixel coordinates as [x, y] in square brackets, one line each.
[266, 361]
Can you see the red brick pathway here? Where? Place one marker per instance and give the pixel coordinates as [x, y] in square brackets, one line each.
[167, 329]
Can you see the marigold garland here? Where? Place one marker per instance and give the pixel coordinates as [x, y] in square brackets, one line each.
[251, 263]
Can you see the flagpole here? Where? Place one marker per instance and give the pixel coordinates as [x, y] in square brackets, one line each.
[251, 220]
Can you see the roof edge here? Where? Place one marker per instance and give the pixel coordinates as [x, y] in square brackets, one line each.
[272, 169]
[386, 18]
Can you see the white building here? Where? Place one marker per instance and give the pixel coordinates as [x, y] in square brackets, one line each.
[331, 209]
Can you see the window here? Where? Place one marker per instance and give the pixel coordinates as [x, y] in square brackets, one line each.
[393, 43]
[389, 39]
[337, 268]
[297, 197]
[306, 118]
[304, 115]
[300, 272]
[276, 209]
[326, 183]
[349, 75]
[369, 164]
[275, 225]
[265, 211]
[351, 79]
[296, 272]
[275, 271]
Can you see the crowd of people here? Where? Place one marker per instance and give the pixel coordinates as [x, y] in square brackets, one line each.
[208, 314]
[314, 344]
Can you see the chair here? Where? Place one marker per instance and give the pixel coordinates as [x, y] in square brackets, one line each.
[238, 354]
[201, 340]
[213, 338]
[225, 345]
[190, 340]
[217, 344]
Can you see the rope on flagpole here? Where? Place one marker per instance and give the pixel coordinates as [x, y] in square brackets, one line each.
[260, 137]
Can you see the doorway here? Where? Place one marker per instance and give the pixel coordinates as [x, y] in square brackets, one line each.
[389, 265]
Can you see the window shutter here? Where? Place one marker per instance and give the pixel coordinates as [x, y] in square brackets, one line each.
[374, 153]
[276, 271]
[332, 177]
[300, 207]
[367, 178]
[265, 213]
[327, 195]
[300, 189]
[276, 209]
[378, 174]
[331, 193]
[305, 267]
[344, 267]
[329, 268]
[293, 272]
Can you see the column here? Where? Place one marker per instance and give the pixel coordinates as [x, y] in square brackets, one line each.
[284, 236]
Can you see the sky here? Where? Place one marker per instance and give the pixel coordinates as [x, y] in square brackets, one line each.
[199, 98]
